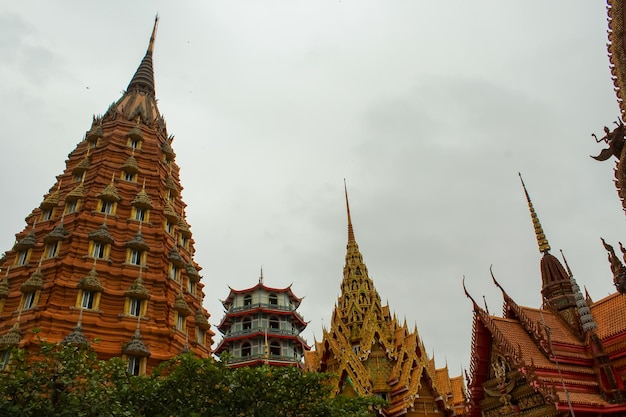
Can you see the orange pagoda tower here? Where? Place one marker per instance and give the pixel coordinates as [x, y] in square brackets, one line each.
[262, 326]
[107, 257]
[374, 354]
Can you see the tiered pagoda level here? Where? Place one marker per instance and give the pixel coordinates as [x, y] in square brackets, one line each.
[262, 326]
[373, 354]
[108, 254]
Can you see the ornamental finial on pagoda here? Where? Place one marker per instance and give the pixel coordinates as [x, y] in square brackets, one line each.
[544, 246]
[350, 229]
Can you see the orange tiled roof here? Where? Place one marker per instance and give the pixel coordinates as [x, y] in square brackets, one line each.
[609, 314]
[517, 336]
[559, 331]
[458, 389]
[442, 379]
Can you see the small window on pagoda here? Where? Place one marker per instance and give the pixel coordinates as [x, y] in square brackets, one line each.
[135, 257]
[105, 206]
[135, 307]
[22, 257]
[98, 250]
[273, 299]
[274, 322]
[51, 250]
[71, 206]
[129, 176]
[94, 143]
[78, 177]
[275, 349]
[29, 300]
[201, 336]
[169, 227]
[247, 323]
[170, 196]
[174, 272]
[191, 287]
[136, 365]
[247, 300]
[246, 349]
[358, 271]
[139, 214]
[180, 322]
[134, 143]
[5, 357]
[88, 300]
[184, 242]
[47, 214]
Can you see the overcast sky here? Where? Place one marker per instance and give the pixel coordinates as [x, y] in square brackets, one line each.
[428, 109]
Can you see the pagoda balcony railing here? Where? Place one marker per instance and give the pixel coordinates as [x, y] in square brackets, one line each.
[248, 358]
[265, 306]
[262, 330]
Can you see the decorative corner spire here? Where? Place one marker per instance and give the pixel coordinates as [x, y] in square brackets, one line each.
[542, 241]
[350, 229]
[143, 80]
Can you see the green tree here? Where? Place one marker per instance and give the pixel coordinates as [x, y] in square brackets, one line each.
[61, 380]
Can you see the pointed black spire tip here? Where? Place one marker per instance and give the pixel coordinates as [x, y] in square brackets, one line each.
[143, 80]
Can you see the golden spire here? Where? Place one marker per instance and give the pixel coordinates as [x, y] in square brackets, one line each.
[350, 230]
[542, 241]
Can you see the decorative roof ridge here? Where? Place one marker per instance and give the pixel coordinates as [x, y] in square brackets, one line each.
[529, 325]
[513, 354]
[616, 51]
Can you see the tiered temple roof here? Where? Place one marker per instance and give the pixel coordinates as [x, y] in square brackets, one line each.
[262, 326]
[568, 356]
[374, 354]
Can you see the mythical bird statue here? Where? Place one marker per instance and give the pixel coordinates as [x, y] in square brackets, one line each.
[615, 139]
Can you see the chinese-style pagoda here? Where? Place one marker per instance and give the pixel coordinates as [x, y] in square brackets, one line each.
[262, 326]
[108, 254]
[374, 354]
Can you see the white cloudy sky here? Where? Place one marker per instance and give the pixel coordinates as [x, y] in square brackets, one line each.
[428, 109]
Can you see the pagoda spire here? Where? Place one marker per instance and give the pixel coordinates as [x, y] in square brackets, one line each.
[544, 246]
[143, 80]
[350, 229]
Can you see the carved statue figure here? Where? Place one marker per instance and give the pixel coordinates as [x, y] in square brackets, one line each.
[615, 140]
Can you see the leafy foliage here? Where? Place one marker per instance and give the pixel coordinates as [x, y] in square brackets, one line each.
[70, 381]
